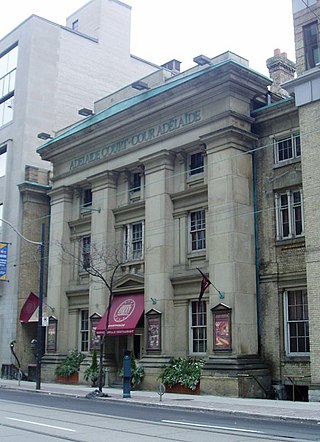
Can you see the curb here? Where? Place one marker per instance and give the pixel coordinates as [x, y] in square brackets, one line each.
[173, 406]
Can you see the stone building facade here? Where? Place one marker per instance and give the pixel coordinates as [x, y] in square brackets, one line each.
[166, 177]
[212, 169]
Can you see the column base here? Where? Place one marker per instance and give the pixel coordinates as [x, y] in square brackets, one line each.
[242, 376]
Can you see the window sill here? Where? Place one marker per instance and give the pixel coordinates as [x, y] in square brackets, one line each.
[287, 162]
[193, 180]
[297, 359]
[196, 258]
[291, 242]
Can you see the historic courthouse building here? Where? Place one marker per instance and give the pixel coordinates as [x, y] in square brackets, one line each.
[212, 169]
[166, 177]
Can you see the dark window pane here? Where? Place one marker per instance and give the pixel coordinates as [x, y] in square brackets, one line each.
[196, 163]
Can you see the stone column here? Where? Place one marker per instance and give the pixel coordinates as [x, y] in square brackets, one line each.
[102, 233]
[60, 264]
[159, 241]
[230, 235]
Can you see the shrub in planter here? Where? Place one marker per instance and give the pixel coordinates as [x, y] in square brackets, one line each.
[183, 371]
[92, 373]
[71, 364]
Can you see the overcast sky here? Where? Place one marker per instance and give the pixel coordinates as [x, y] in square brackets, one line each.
[181, 29]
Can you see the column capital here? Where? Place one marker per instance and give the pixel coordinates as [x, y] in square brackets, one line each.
[157, 161]
[63, 194]
[229, 137]
[103, 180]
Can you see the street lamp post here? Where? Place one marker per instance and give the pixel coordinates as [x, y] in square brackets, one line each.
[39, 328]
[41, 274]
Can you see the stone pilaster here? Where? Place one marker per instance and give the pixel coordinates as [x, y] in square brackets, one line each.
[59, 263]
[102, 233]
[159, 241]
[230, 234]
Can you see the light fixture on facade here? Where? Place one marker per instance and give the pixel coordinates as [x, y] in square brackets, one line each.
[44, 136]
[201, 60]
[85, 112]
[140, 85]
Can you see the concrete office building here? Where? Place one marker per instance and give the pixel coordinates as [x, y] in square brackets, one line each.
[47, 73]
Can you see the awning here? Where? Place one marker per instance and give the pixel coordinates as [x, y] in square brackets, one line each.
[125, 312]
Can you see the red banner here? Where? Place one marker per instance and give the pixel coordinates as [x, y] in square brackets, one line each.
[29, 307]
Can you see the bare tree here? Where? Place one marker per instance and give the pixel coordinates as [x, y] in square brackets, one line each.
[100, 262]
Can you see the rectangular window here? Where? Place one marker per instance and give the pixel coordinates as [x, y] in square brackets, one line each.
[86, 200]
[287, 148]
[3, 161]
[8, 66]
[196, 163]
[296, 322]
[198, 230]
[133, 241]
[85, 252]
[84, 330]
[311, 45]
[135, 185]
[289, 214]
[198, 329]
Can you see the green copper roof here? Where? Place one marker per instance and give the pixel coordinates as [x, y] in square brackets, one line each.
[137, 99]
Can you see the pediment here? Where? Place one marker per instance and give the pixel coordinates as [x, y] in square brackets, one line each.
[129, 283]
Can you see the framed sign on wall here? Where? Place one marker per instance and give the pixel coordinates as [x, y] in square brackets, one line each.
[222, 328]
[153, 319]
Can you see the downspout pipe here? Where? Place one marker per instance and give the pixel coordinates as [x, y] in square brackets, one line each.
[256, 242]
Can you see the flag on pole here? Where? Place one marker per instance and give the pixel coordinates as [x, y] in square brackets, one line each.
[29, 307]
[204, 284]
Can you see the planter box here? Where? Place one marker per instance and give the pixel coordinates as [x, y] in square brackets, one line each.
[72, 379]
[181, 389]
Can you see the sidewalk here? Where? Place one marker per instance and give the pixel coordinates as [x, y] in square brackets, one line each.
[275, 409]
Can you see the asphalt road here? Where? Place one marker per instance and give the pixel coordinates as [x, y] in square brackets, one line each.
[31, 416]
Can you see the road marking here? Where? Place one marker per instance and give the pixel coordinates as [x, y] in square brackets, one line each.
[216, 427]
[41, 425]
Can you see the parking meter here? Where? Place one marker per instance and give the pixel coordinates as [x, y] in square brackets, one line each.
[126, 374]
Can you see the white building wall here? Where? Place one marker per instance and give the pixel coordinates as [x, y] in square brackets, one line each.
[59, 71]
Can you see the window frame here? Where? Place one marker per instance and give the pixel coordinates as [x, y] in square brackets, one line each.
[84, 340]
[3, 160]
[288, 215]
[135, 182]
[196, 340]
[196, 164]
[194, 234]
[86, 200]
[85, 253]
[311, 45]
[130, 242]
[9, 62]
[294, 143]
[305, 321]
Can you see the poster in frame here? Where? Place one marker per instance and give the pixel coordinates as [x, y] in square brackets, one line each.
[222, 328]
[153, 318]
[52, 335]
